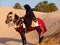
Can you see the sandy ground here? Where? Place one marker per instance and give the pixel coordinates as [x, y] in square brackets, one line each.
[8, 36]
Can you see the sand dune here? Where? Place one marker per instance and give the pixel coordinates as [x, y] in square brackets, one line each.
[8, 36]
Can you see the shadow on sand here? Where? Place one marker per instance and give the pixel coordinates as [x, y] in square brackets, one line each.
[5, 40]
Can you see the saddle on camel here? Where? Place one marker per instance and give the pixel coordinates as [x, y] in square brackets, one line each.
[37, 22]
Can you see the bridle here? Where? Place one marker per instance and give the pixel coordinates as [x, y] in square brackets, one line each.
[13, 20]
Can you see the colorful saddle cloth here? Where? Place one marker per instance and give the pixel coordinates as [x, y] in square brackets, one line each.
[43, 27]
[37, 23]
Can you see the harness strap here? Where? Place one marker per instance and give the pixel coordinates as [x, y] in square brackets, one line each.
[18, 25]
[17, 20]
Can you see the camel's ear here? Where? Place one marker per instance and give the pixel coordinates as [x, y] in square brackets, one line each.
[16, 16]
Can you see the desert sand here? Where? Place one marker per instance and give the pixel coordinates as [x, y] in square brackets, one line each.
[8, 36]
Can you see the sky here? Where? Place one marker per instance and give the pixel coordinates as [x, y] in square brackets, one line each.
[32, 3]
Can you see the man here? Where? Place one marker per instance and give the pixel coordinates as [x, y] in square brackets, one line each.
[29, 16]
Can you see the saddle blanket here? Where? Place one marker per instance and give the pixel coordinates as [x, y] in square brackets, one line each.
[37, 23]
[33, 24]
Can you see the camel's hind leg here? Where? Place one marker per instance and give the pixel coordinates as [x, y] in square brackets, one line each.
[39, 30]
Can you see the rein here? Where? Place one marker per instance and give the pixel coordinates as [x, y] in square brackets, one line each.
[17, 21]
